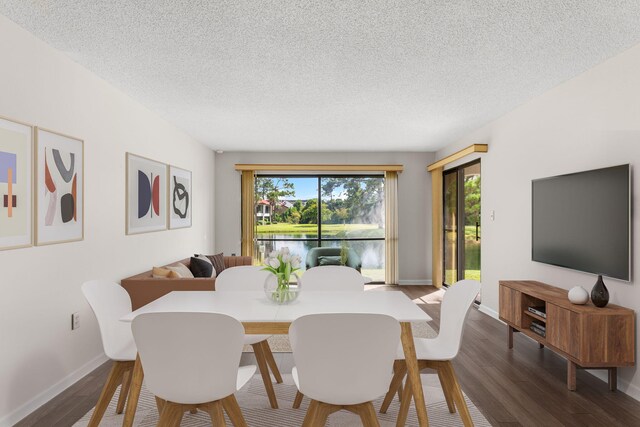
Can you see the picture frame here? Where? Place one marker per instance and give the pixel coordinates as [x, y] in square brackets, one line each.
[146, 195]
[59, 183]
[16, 184]
[179, 198]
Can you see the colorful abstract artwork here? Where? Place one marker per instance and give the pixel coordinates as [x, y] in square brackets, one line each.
[59, 188]
[15, 184]
[146, 195]
[179, 197]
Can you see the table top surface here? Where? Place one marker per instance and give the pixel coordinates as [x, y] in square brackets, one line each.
[254, 306]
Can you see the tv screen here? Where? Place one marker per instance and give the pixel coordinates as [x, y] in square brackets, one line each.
[582, 221]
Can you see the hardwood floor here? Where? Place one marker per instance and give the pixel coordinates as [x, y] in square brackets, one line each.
[525, 386]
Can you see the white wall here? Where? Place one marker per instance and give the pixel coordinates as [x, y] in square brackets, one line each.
[589, 122]
[40, 286]
[414, 200]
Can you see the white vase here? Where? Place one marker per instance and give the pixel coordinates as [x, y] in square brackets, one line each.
[578, 295]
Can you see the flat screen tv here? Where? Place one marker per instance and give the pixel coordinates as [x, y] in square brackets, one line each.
[582, 221]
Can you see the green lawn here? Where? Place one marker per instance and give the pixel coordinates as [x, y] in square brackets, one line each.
[328, 230]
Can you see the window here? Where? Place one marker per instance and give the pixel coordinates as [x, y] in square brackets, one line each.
[308, 211]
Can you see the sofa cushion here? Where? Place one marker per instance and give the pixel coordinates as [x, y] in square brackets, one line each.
[181, 270]
[201, 267]
[218, 262]
[160, 272]
[329, 260]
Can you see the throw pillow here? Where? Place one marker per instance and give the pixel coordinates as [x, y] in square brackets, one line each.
[181, 270]
[200, 267]
[218, 262]
[160, 272]
[214, 273]
[329, 260]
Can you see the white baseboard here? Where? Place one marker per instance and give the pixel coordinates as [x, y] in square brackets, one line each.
[42, 398]
[414, 282]
[489, 312]
[624, 386]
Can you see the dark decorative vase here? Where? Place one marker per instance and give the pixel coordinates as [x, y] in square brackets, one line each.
[599, 293]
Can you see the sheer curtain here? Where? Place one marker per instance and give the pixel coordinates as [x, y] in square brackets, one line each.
[391, 275]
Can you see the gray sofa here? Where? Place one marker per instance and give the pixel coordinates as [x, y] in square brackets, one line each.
[353, 260]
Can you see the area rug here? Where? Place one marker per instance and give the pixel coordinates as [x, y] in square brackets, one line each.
[280, 343]
[257, 412]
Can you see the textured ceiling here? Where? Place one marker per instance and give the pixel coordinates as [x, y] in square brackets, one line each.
[332, 75]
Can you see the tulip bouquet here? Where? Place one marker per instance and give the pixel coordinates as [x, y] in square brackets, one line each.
[282, 264]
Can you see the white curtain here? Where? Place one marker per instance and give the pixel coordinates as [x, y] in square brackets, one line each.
[391, 275]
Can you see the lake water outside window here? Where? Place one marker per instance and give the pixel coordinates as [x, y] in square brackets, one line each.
[304, 212]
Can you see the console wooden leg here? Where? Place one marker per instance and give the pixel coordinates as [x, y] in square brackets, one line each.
[510, 336]
[571, 375]
[613, 379]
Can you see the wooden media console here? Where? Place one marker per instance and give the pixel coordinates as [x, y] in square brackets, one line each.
[587, 336]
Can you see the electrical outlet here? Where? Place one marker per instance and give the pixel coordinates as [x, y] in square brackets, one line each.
[75, 321]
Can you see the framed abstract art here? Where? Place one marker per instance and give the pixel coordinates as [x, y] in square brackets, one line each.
[16, 190]
[180, 197]
[59, 188]
[146, 195]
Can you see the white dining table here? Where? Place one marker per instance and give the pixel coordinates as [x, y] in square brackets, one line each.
[261, 316]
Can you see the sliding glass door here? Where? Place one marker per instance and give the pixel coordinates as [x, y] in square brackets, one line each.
[461, 222]
[304, 211]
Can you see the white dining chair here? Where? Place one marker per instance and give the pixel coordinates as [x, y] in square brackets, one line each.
[109, 302]
[437, 353]
[332, 278]
[190, 362]
[252, 278]
[343, 361]
[329, 278]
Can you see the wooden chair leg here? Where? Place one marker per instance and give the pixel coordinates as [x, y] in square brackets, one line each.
[403, 413]
[230, 405]
[367, 415]
[446, 389]
[113, 381]
[271, 362]
[310, 416]
[124, 390]
[214, 409]
[399, 371]
[171, 415]
[450, 377]
[160, 404]
[322, 413]
[264, 371]
[298, 400]
[134, 393]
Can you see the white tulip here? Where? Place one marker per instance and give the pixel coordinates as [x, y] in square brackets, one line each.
[273, 254]
[295, 262]
[285, 250]
[273, 262]
[286, 258]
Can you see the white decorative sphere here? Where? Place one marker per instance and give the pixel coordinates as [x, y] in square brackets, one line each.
[578, 295]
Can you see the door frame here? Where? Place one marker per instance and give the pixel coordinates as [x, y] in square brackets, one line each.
[460, 254]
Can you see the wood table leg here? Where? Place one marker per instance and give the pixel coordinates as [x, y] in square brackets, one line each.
[510, 336]
[571, 375]
[613, 379]
[134, 393]
[413, 373]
